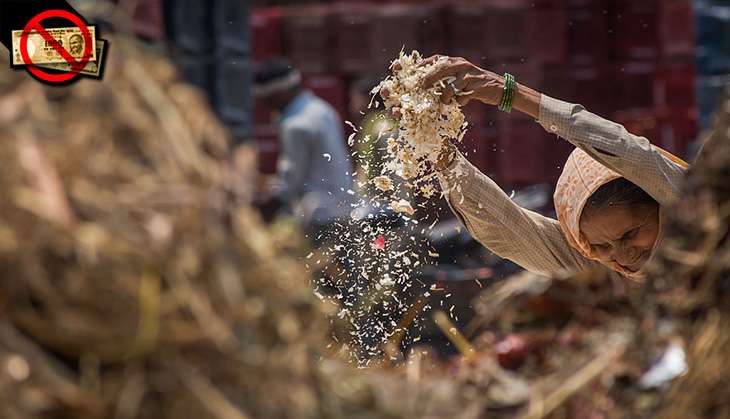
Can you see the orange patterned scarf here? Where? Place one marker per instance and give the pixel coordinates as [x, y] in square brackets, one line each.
[581, 177]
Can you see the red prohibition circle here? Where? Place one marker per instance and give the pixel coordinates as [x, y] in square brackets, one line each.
[76, 66]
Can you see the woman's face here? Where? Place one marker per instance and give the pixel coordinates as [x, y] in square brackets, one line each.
[622, 234]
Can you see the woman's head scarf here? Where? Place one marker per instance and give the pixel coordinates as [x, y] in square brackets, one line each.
[581, 177]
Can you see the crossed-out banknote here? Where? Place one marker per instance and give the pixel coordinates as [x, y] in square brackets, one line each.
[92, 68]
[42, 51]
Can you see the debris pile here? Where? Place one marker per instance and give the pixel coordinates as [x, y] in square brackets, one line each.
[690, 283]
[132, 285]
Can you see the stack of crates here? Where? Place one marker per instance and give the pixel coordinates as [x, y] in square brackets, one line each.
[713, 55]
[210, 43]
[627, 60]
[655, 73]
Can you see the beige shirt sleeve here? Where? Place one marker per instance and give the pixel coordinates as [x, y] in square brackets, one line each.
[531, 240]
[527, 238]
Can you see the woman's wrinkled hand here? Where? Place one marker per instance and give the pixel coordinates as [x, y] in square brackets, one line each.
[467, 81]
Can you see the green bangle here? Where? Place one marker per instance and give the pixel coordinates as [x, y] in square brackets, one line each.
[510, 86]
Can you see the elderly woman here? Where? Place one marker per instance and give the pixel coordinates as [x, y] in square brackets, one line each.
[610, 199]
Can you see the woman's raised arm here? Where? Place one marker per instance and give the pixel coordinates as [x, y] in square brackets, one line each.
[633, 157]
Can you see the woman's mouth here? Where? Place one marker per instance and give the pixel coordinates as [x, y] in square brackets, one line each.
[636, 266]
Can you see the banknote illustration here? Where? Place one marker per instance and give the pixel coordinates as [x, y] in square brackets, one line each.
[92, 68]
[41, 51]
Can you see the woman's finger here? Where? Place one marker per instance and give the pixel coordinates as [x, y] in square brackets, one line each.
[452, 89]
[447, 69]
[431, 59]
[439, 72]
[447, 94]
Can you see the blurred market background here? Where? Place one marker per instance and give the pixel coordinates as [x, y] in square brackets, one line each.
[657, 67]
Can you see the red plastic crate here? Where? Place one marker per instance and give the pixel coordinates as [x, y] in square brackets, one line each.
[507, 30]
[493, 30]
[595, 88]
[635, 29]
[466, 23]
[432, 29]
[408, 27]
[679, 129]
[307, 37]
[634, 84]
[393, 1]
[149, 20]
[677, 28]
[641, 122]
[669, 129]
[592, 87]
[588, 33]
[674, 85]
[267, 33]
[352, 26]
[556, 82]
[550, 4]
[547, 33]
[330, 88]
[479, 115]
[521, 157]
[646, 30]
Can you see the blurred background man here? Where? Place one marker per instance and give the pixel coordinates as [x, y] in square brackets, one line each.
[313, 179]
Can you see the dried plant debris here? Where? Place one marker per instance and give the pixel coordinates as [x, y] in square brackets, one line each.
[690, 280]
[425, 123]
[131, 284]
[383, 183]
[402, 206]
[384, 239]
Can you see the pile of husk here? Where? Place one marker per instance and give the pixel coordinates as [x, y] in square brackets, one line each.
[132, 283]
[136, 282]
[690, 284]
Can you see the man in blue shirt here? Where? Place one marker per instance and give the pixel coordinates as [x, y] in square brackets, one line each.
[314, 172]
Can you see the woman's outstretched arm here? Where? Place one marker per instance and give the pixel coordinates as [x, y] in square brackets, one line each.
[608, 142]
[527, 238]
[634, 157]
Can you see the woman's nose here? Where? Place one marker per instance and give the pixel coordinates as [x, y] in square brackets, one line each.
[625, 255]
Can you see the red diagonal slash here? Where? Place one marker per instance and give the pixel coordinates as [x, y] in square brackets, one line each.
[76, 66]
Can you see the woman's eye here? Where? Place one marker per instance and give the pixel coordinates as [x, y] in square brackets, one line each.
[631, 233]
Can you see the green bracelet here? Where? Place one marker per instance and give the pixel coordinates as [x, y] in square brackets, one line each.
[510, 86]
